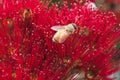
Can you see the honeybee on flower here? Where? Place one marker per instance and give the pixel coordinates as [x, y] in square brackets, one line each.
[63, 32]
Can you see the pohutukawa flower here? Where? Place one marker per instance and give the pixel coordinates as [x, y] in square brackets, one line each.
[28, 52]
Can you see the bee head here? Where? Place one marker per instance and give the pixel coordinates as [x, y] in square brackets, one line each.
[71, 27]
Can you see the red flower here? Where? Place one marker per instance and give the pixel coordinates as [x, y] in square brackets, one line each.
[28, 52]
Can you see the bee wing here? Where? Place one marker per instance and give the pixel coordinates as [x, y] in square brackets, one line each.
[56, 28]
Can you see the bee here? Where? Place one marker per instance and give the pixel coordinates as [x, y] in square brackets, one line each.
[63, 32]
[27, 14]
[91, 5]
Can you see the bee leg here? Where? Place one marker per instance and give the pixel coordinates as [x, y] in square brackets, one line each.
[55, 40]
